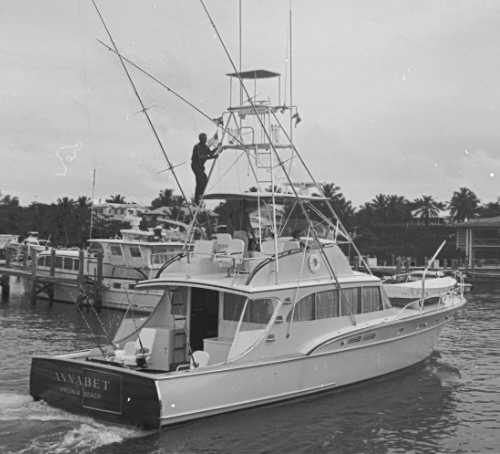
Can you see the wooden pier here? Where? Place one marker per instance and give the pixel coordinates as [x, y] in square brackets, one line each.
[89, 288]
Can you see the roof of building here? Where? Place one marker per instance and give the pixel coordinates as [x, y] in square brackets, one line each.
[481, 222]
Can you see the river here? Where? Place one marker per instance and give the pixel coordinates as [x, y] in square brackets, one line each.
[448, 404]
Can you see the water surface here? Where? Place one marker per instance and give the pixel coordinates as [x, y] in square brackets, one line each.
[448, 404]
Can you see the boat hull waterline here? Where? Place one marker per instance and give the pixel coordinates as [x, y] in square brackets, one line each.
[151, 400]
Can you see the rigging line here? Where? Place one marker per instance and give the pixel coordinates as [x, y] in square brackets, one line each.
[169, 89]
[228, 169]
[94, 337]
[143, 107]
[321, 192]
[266, 133]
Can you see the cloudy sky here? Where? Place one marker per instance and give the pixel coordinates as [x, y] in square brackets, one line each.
[395, 96]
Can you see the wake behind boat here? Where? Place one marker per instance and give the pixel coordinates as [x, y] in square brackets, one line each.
[267, 311]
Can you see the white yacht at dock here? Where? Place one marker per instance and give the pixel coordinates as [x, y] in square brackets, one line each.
[257, 315]
[136, 256]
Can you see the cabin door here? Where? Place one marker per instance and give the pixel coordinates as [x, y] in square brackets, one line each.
[204, 321]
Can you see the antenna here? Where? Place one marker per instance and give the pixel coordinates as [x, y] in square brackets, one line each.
[240, 45]
[290, 76]
[92, 195]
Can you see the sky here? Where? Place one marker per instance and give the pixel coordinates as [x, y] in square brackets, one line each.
[395, 96]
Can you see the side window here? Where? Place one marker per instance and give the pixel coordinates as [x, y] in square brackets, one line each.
[304, 309]
[41, 261]
[259, 311]
[233, 305]
[116, 250]
[135, 251]
[327, 304]
[76, 264]
[349, 301]
[68, 263]
[59, 262]
[370, 299]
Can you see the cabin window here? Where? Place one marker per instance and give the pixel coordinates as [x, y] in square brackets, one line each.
[117, 285]
[41, 261]
[68, 263]
[233, 305]
[116, 250]
[257, 314]
[131, 286]
[304, 309]
[370, 299]
[135, 251]
[259, 311]
[76, 264]
[59, 262]
[327, 304]
[349, 301]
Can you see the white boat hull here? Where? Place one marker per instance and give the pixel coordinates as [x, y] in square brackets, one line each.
[413, 290]
[202, 394]
[140, 300]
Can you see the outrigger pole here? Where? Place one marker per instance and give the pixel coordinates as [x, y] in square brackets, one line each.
[143, 107]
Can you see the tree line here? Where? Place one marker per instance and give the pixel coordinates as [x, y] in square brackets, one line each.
[382, 226]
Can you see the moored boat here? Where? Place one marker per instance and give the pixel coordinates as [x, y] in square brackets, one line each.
[407, 287]
[136, 256]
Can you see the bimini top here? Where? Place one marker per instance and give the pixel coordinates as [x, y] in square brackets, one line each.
[254, 196]
[254, 74]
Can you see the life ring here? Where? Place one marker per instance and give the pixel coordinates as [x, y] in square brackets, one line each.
[313, 262]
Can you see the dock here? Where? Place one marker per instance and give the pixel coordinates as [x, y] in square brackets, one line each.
[89, 288]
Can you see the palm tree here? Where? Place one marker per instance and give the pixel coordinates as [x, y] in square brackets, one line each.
[340, 204]
[379, 207]
[164, 199]
[117, 198]
[463, 204]
[9, 201]
[490, 209]
[426, 208]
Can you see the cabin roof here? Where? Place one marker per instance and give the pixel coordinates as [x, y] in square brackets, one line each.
[136, 242]
[254, 74]
[238, 286]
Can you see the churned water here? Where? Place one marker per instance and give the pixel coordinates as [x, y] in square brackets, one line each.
[448, 404]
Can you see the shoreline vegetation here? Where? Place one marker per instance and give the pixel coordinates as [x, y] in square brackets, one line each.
[385, 227]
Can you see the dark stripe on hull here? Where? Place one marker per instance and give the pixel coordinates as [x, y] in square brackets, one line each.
[104, 393]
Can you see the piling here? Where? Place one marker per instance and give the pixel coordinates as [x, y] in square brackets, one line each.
[52, 272]
[5, 278]
[32, 280]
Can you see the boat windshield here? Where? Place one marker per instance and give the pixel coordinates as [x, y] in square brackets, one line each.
[255, 318]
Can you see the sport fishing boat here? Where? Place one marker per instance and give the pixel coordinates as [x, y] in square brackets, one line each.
[258, 314]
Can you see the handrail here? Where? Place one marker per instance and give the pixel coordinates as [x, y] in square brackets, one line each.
[175, 258]
[271, 258]
[429, 263]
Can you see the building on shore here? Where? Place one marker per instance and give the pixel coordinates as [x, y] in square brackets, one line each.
[479, 239]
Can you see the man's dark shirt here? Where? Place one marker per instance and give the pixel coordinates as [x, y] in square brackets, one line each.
[201, 153]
